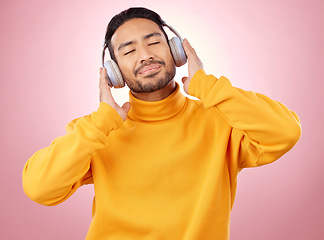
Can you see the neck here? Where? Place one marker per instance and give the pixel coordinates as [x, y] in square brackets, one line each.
[157, 95]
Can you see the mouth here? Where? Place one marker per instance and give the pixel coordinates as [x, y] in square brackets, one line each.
[150, 69]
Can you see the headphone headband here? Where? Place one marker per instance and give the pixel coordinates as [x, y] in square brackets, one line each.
[164, 24]
[172, 29]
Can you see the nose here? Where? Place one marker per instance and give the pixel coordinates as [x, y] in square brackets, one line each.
[145, 55]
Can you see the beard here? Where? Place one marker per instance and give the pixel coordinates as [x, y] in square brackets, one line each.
[155, 83]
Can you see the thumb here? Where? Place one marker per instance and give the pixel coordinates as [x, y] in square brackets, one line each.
[184, 79]
[185, 84]
[126, 106]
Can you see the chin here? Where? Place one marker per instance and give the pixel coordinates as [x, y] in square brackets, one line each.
[149, 87]
[152, 82]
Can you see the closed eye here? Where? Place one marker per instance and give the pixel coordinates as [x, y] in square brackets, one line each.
[129, 52]
[153, 43]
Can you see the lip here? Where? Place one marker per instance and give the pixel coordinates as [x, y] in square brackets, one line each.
[150, 69]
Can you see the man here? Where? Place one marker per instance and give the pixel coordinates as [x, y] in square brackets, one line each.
[163, 166]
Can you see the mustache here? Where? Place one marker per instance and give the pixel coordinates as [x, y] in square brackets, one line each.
[137, 70]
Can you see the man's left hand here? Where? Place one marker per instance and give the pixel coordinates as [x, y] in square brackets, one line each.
[194, 64]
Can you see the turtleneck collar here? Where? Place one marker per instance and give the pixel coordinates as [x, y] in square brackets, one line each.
[158, 110]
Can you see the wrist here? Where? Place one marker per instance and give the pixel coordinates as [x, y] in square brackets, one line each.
[106, 117]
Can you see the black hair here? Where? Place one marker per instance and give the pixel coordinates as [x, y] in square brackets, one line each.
[124, 16]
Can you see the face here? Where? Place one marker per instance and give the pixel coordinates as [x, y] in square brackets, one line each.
[143, 55]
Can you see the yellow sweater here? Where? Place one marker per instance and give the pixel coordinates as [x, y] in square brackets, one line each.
[169, 171]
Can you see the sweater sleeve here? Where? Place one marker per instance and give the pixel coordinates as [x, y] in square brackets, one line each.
[262, 129]
[54, 173]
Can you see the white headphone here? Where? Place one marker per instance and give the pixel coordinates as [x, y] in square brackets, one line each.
[114, 76]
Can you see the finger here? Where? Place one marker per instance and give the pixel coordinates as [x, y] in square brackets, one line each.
[104, 88]
[102, 71]
[103, 76]
[190, 51]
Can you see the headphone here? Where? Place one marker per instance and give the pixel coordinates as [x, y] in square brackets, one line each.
[114, 76]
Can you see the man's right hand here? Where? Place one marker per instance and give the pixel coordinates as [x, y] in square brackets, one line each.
[106, 96]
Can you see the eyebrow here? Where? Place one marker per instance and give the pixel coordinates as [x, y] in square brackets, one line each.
[151, 35]
[125, 44]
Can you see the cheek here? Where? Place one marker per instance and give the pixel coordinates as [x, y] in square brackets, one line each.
[170, 61]
[126, 69]
[125, 65]
[168, 56]
[167, 52]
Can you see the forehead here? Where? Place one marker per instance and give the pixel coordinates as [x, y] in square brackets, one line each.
[134, 29]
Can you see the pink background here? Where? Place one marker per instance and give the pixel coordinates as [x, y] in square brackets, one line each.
[50, 55]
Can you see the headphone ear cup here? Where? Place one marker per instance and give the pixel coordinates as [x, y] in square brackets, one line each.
[114, 76]
[178, 53]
